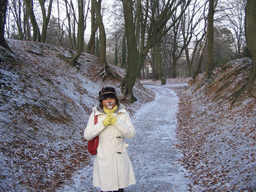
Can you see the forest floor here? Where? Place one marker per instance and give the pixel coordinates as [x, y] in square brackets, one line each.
[218, 141]
[217, 138]
[211, 147]
[45, 105]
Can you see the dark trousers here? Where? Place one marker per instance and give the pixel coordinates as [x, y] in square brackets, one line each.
[120, 190]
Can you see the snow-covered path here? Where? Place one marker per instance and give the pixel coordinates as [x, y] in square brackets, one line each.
[152, 151]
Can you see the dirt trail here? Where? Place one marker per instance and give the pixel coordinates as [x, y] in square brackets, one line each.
[152, 151]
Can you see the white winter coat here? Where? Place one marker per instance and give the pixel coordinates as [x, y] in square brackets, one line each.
[112, 166]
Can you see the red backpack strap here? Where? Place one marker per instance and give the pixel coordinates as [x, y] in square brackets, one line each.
[95, 119]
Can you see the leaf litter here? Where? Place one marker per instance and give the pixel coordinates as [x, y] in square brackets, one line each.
[45, 105]
[216, 137]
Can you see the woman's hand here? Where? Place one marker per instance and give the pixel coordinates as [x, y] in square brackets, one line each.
[110, 119]
[107, 120]
[113, 119]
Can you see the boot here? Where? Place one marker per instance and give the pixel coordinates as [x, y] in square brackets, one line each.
[120, 190]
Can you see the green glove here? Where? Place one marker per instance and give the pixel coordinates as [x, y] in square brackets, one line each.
[107, 121]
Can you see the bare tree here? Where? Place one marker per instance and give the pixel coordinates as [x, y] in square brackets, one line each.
[130, 76]
[156, 25]
[235, 15]
[3, 9]
[80, 31]
[71, 27]
[182, 35]
[36, 32]
[190, 59]
[26, 25]
[203, 45]
[37, 35]
[200, 60]
[17, 10]
[102, 34]
[191, 29]
[124, 50]
[175, 54]
[46, 17]
[157, 62]
[250, 29]
[210, 56]
[152, 26]
[94, 27]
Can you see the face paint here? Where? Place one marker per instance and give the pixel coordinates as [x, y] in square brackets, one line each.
[110, 105]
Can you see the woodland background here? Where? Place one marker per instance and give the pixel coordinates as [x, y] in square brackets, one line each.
[150, 38]
[51, 71]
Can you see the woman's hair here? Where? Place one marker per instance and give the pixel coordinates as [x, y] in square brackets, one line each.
[107, 92]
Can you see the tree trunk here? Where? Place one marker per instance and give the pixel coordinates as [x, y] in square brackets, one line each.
[131, 75]
[102, 35]
[250, 30]
[138, 19]
[27, 30]
[69, 25]
[116, 51]
[157, 59]
[94, 27]
[174, 64]
[36, 31]
[3, 9]
[73, 25]
[46, 18]
[123, 61]
[174, 50]
[80, 33]
[17, 16]
[159, 65]
[201, 54]
[59, 38]
[97, 46]
[189, 62]
[210, 56]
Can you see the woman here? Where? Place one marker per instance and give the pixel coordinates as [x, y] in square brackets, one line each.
[112, 169]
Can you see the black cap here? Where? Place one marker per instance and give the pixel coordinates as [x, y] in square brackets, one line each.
[107, 92]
